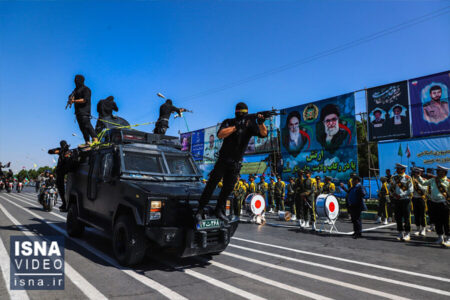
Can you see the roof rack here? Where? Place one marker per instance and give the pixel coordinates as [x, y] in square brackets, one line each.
[129, 136]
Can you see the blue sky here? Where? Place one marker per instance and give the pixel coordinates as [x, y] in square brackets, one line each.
[134, 49]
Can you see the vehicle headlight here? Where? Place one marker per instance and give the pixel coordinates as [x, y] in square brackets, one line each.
[155, 210]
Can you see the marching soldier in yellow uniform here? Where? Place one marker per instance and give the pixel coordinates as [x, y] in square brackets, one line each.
[401, 190]
[291, 197]
[319, 185]
[418, 201]
[238, 196]
[262, 188]
[299, 199]
[271, 202]
[309, 190]
[280, 193]
[384, 209]
[328, 187]
[252, 185]
[440, 197]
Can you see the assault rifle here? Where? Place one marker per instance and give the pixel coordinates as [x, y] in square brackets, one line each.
[69, 101]
[266, 114]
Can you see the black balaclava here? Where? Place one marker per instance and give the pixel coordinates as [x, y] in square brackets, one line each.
[168, 101]
[63, 144]
[79, 81]
[110, 98]
[241, 110]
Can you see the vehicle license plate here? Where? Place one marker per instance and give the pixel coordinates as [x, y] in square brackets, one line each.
[208, 224]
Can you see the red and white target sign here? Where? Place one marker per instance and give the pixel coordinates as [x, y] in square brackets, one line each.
[327, 206]
[256, 203]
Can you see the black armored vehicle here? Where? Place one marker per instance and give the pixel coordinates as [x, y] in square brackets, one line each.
[142, 190]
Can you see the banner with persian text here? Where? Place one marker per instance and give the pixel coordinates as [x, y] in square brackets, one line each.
[321, 137]
[424, 152]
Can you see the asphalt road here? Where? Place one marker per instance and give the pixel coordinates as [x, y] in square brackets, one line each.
[277, 261]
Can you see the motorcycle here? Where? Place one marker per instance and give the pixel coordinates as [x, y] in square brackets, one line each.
[19, 187]
[49, 198]
[9, 186]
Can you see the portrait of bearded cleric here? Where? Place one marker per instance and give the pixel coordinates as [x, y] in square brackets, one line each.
[331, 132]
[294, 138]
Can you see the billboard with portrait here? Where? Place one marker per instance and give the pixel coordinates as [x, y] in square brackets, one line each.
[422, 152]
[269, 143]
[430, 105]
[197, 144]
[185, 139]
[388, 112]
[321, 137]
[212, 144]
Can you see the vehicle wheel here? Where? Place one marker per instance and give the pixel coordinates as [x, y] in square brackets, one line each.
[129, 241]
[74, 227]
[50, 204]
[215, 253]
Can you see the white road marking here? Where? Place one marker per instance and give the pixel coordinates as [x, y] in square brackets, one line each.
[255, 277]
[341, 270]
[83, 285]
[4, 266]
[139, 277]
[215, 282]
[421, 275]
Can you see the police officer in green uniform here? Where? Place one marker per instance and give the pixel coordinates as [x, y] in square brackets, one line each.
[440, 197]
[309, 190]
[280, 193]
[418, 201]
[401, 190]
[291, 197]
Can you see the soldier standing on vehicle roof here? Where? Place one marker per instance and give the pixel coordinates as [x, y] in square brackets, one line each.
[105, 110]
[236, 133]
[65, 164]
[81, 96]
[165, 111]
[401, 191]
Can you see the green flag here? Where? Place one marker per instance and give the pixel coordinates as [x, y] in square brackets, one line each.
[400, 152]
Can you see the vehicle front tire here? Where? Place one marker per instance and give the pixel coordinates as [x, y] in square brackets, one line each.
[129, 241]
[74, 227]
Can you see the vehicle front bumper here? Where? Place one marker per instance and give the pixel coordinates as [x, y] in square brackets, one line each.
[192, 242]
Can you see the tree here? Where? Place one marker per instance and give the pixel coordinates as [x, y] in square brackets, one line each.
[363, 151]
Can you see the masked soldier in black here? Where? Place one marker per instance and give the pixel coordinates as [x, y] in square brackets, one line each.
[165, 111]
[81, 96]
[66, 160]
[105, 110]
[236, 134]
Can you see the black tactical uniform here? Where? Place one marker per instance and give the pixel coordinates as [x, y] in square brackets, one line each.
[105, 110]
[83, 110]
[165, 111]
[66, 161]
[229, 163]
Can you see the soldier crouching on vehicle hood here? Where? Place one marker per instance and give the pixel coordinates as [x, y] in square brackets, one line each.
[236, 134]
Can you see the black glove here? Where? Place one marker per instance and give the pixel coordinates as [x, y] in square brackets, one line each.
[260, 121]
